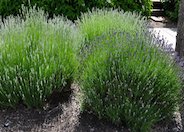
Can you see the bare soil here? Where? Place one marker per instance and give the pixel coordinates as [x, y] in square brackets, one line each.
[64, 116]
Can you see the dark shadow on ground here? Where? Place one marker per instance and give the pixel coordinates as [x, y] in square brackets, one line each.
[90, 123]
[24, 119]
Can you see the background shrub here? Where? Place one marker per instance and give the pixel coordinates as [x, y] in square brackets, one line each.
[171, 8]
[96, 22]
[143, 6]
[128, 79]
[37, 58]
[72, 9]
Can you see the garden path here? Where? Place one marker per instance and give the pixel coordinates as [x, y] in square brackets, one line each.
[169, 34]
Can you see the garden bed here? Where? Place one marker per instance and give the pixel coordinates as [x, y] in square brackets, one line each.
[126, 81]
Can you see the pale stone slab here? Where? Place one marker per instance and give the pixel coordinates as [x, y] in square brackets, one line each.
[158, 19]
[169, 34]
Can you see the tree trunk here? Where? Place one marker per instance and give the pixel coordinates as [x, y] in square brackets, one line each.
[180, 32]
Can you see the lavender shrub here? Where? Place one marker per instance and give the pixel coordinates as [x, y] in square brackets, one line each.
[130, 78]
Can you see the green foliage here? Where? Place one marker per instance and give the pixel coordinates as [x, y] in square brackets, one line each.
[7, 8]
[171, 8]
[143, 6]
[37, 58]
[73, 9]
[98, 21]
[126, 78]
[70, 9]
[118, 64]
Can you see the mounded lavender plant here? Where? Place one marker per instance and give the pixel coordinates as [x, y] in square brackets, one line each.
[98, 21]
[128, 78]
[37, 57]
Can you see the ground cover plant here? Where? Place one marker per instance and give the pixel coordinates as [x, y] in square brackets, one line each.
[128, 79]
[37, 58]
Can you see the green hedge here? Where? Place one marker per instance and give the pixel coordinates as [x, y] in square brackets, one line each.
[72, 9]
[37, 58]
[143, 6]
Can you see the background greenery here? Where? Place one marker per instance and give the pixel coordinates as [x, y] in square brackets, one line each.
[73, 8]
[171, 8]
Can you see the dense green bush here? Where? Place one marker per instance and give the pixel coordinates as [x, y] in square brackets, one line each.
[171, 8]
[143, 6]
[72, 9]
[8, 7]
[37, 58]
[128, 79]
[68, 8]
